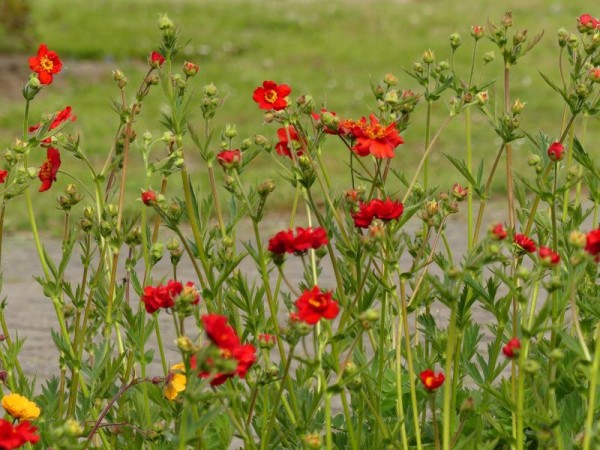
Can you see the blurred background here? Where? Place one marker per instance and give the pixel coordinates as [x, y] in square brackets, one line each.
[331, 49]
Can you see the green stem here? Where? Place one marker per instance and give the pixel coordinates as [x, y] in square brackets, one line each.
[593, 386]
[448, 385]
[470, 169]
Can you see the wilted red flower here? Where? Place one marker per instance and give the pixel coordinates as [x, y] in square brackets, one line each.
[149, 197]
[314, 304]
[304, 239]
[272, 95]
[156, 59]
[498, 232]
[190, 69]
[60, 116]
[3, 175]
[548, 256]
[229, 158]
[586, 22]
[287, 135]
[592, 245]
[511, 350]
[46, 64]
[161, 296]
[385, 210]
[375, 139]
[556, 151]
[430, 380]
[524, 242]
[12, 437]
[49, 169]
[459, 192]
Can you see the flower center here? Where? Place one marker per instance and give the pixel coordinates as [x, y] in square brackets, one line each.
[46, 170]
[46, 64]
[429, 381]
[315, 302]
[374, 131]
[271, 96]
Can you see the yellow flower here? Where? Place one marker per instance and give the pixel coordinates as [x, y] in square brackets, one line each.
[176, 381]
[19, 407]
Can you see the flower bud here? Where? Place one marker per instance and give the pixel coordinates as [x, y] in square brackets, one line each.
[556, 151]
[477, 31]
[210, 90]
[185, 344]
[563, 37]
[518, 107]
[507, 19]
[459, 192]
[594, 74]
[230, 131]
[156, 252]
[164, 23]
[455, 41]
[520, 37]
[418, 68]
[313, 441]
[428, 56]
[482, 98]
[578, 239]
[488, 57]
[152, 79]
[118, 75]
[390, 79]
[3, 376]
[391, 96]
[533, 160]
[149, 198]
[266, 187]
[582, 90]
[190, 69]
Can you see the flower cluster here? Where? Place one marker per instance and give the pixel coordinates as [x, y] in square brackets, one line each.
[302, 241]
[223, 336]
[385, 210]
[587, 23]
[314, 305]
[156, 297]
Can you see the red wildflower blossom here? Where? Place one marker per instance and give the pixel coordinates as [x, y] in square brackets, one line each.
[586, 22]
[385, 210]
[149, 198]
[592, 245]
[3, 175]
[272, 95]
[314, 304]
[219, 332]
[12, 437]
[46, 64]
[430, 380]
[59, 117]
[229, 158]
[49, 169]
[499, 232]
[283, 146]
[305, 238]
[548, 256]
[511, 350]
[524, 242]
[375, 139]
[156, 59]
[556, 151]
[190, 290]
[161, 296]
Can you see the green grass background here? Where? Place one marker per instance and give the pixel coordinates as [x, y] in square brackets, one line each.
[330, 49]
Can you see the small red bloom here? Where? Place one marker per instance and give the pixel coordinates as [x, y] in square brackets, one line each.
[156, 59]
[281, 242]
[592, 245]
[556, 151]
[364, 216]
[586, 22]
[219, 332]
[3, 175]
[430, 380]
[499, 232]
[272, 95]
[305, 238]
[511, 350]
[385, 210]
[548, 256]
[149, 197]
[59, 118]
[46, 64]
[49, 169]
[314, 305]
[229, 158]
[12, 437]
[283, 146]
[161, 296]
[375, 139]
[524, 242]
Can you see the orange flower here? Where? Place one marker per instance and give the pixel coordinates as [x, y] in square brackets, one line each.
[375, 139]
[45, 64]
[20, 407]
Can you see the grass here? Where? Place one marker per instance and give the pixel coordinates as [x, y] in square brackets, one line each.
[332, 50]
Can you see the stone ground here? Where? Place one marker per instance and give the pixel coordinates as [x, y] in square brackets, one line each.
[30, 314]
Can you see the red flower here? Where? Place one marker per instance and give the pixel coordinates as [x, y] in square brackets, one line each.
[272, 95]
[556, 151]
[229, 158]
[49, 169]
[282, 147]
[592, 245]
[161, 296]
[499, 232]
[385, 210]
[156, 59]
[375, 139]
[524, 242]
[430, 380]
[511, 350]
[149, 197]
[59, 117]
[219, 332]
[586, 22]
[305, 238]
[3, 175]
[314, 305]
[548, 257]
[12, 437]
[346, 126]
[45, 64]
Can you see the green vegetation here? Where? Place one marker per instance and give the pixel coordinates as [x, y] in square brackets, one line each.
[331, 50]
